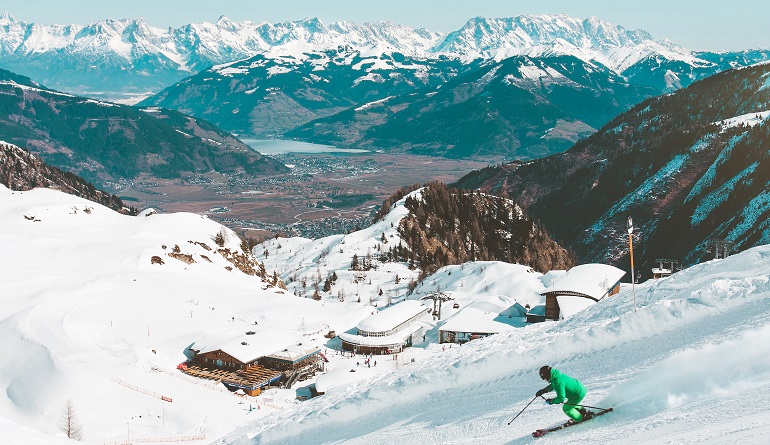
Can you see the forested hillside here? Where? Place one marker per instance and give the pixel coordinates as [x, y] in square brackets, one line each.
[448, 226]
[689, 167]
[20, 170]
[106, 143]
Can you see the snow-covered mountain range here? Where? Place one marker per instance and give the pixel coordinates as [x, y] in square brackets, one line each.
[131, 55]
[88, 316]
[142, 57]
[589, 39]
[196, 46]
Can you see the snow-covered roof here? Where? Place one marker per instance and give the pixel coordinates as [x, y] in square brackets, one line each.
[592, 280]
[255, 347]
[339, 377]
[538, 310]
[570, 305]
[295, 352]
[245, 353]
[386, 340]
[391, 317]
[475, 321]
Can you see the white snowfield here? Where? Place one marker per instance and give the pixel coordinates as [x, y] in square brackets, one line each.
[691, 365]
[82, 308]
[83, 313]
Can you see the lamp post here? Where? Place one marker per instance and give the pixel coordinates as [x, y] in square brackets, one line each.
[631, 250]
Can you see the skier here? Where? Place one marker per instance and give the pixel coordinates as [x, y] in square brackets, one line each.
[566, 388]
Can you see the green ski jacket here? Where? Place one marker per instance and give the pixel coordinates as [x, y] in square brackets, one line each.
[565, 387]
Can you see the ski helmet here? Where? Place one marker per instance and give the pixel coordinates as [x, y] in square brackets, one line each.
[545, 372]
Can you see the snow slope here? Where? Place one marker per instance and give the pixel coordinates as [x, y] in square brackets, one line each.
[691, 365]
[82, 308]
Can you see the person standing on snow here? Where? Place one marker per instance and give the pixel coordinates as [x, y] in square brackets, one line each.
[566, 388]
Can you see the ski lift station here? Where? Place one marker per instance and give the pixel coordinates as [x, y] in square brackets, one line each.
[388, 331]
[665, 268]
[579, 288]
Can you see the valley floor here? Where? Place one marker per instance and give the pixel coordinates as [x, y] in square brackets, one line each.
[291, 203]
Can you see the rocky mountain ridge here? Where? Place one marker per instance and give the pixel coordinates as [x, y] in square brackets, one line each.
[518, 108]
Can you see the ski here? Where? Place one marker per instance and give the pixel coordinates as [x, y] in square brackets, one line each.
[590, 415]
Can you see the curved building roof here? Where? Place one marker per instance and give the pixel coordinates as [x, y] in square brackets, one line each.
[592, 280]
[392, 317]
[385, 341]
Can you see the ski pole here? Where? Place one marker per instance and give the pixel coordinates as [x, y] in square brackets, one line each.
[586, 406]
[530, 403]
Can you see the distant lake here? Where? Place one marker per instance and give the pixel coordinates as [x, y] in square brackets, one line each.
[279, 147]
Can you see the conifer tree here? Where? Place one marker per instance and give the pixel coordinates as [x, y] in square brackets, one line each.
[69, 424]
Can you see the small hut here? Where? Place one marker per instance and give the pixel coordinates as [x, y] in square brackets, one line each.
[580, 287]
[292, 357]
[665, 268]
[470, 324]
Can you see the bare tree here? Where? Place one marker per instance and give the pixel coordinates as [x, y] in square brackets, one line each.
[69, 422]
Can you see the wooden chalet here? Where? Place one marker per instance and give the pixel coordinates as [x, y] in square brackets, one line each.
[580, 287]
[244, 364]
[293, 357]
[296, 362]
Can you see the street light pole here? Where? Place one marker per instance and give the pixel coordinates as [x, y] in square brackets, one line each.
[631, 251]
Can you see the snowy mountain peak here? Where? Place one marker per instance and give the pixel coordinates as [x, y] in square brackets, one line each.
[6, 18]
[227, 40]
[126, 51]
[225, 23]
[591, 37]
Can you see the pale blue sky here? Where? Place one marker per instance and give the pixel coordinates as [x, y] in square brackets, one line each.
[694, 24]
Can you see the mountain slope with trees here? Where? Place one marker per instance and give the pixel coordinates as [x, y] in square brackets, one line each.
[106, 143]
[690, 168]
[520, 107]
[20, 170]
[448, 226]
[268, 95]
